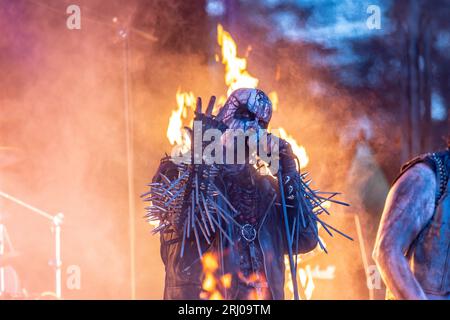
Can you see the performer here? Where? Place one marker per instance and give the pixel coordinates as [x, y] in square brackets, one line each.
[412, 249]
[247, 220]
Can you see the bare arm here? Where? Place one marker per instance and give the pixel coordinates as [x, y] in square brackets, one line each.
[409, 207]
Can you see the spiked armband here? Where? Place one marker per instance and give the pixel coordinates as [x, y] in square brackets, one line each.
[184, 198]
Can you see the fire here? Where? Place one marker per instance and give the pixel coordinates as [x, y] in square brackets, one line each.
[226, 280]
[273, 96]
[210, 263]
[209, 283]
[304, 274]
[305, 279]
[298, 150]
[185, 101]
[175, 133]
[212, 285]
[236, 75]
[261, 293]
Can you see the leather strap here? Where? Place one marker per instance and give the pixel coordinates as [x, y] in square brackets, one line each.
[438, 162]
[442, 174]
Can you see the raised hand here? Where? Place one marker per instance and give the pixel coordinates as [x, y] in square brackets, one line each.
[207, 118]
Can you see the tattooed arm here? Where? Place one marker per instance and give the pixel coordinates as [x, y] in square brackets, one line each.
[409, 207]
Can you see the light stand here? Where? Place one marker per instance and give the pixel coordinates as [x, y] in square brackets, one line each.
[2, 253]
[56, 229]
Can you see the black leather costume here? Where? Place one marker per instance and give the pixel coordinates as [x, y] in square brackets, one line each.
[234, 212]
[264, 255]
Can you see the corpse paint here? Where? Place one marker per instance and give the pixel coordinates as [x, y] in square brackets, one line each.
[206, 311]
[238, 142]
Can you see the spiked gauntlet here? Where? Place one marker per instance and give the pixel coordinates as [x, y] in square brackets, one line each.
[184, 196]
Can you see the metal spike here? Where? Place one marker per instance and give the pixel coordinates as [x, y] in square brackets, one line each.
[208, 213]
[300, 209]
[293, 230]
[202, 215]
[327, 192]
[156, 207]
[176, 182]
[196, 189]
[323, 225]
[317, 212]
[205, 235]
[223, 231]
[165, 178]
[314, 200]
[340, 232]
[183, 241]
[199, 249]
[191, 214]
[160, 228]
[151, 214]
[287, 206]
[154, 184]
[155, 199]
[176, 195]
[224, 198]
[333, 200]
[146, 194]
[225, 215]
[322, 246]
[162, 193]
[188, 221]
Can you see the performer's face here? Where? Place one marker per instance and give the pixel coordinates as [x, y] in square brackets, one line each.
[248, 112]
[246, 109]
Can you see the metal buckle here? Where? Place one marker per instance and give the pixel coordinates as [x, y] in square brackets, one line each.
[248, 232]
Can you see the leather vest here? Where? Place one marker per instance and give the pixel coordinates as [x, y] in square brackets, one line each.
[429, 255]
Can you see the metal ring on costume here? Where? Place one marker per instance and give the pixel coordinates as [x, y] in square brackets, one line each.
[248, 232]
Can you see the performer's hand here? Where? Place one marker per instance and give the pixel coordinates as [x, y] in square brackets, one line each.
[207, 118]
[287, 157]
[290, 175]
[279, 150]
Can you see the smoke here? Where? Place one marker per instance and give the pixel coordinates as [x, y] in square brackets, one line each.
[62, 104]
[62, 108]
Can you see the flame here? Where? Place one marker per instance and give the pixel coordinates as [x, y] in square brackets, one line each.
[262, 293]
[298, 150]
[236, 75]
[210, 263]
[304, 275]
[175, 133]
[212, 285]
[209, 283]
[273, 96]
[226, 280]
[185, 101]
[305, 279]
